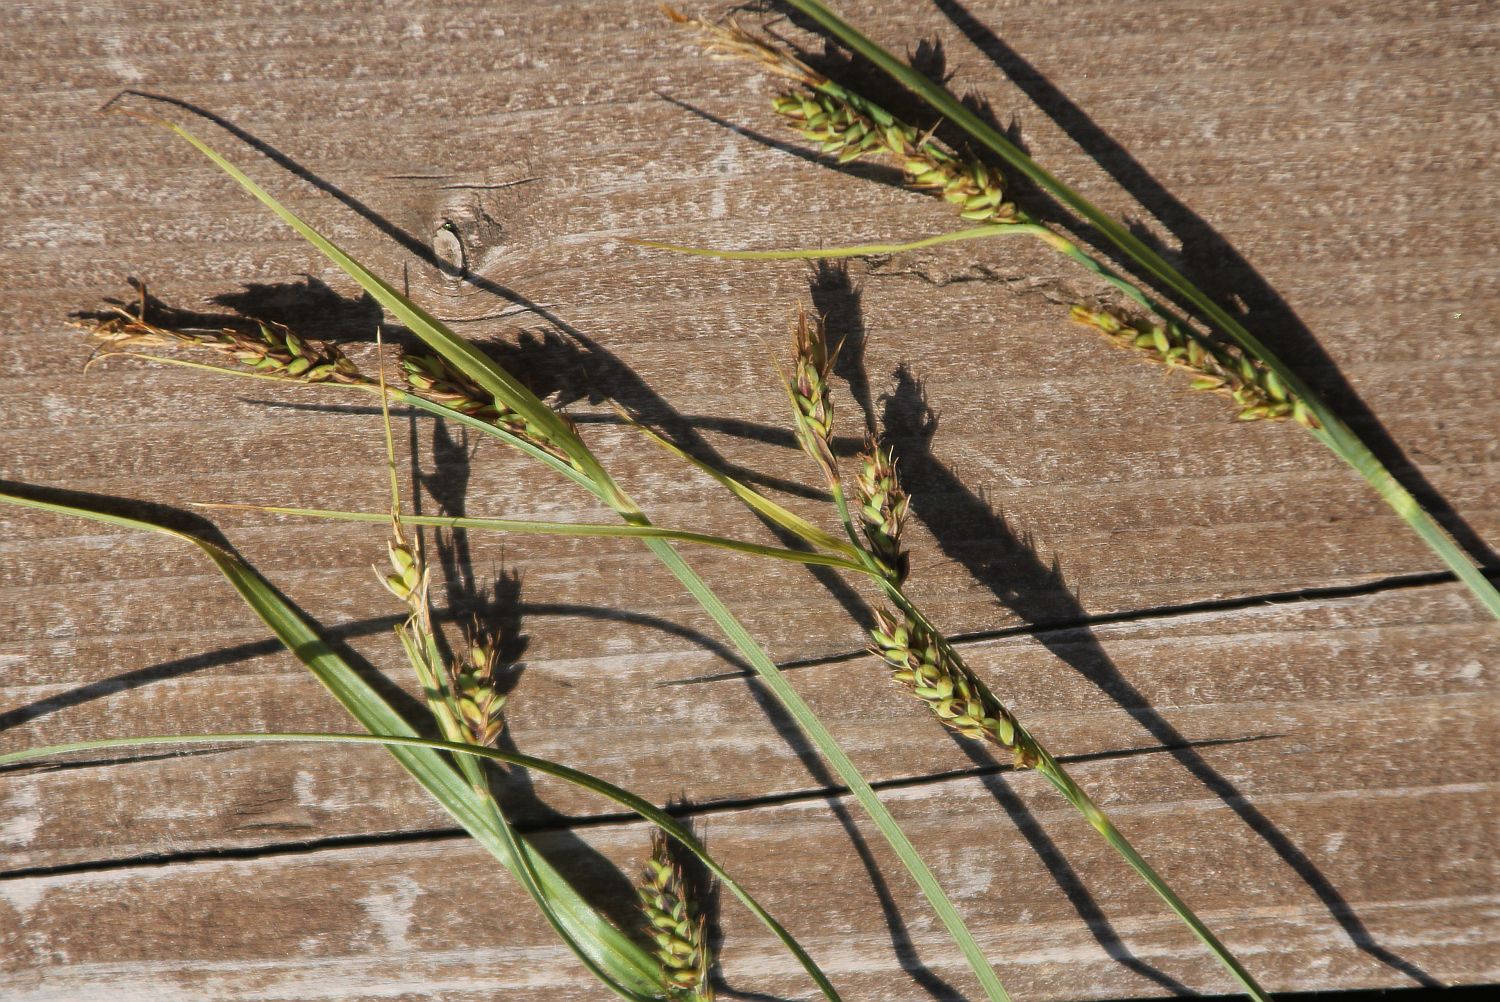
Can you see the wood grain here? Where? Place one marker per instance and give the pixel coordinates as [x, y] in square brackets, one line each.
[1251, 662]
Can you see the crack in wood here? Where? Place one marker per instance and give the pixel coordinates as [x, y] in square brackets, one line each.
[1400, 582]
[575, 823]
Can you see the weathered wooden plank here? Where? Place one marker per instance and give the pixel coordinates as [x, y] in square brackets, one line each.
[384, 921]
[1276, 676]
[1346, 154]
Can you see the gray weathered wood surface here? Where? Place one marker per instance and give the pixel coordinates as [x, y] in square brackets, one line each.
[1315, 773]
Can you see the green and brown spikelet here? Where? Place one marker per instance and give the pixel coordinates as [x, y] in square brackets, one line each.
[408, 580]
[1257, 393]
[882, 509]
[847, 126]
[465, 699]
[269, 348]
[474, 694]
[674, 925]
[434, 378]
[923, 664]
[808, 389]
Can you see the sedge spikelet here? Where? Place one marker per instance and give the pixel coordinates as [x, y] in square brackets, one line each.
[847, 126]
[927, 667]
[882, 509]
[1257, 393]
[808, 388]
[434, 378]
[473, 691]
[674, 925]
[408, 577]
[409, 580]
[267, 347]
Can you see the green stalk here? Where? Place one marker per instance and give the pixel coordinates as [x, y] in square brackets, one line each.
[1075, 795]
[1021, 226]
[581, 529]
[841, 763]
[508, 391]
[1334, 433]
[397, 743]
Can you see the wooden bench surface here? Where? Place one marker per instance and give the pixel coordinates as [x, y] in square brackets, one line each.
[1255, 667]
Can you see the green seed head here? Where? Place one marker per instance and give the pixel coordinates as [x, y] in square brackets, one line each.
[939, 678]
[1257, 392]
[674, 926]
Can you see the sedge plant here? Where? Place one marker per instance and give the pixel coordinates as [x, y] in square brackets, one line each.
[1224, 356]
[454, 380]
[619, 960]
[872, 514]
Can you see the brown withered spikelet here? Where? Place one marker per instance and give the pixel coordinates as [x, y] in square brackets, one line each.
[924, 665]
[674, 925]
[731, 41]
[1257, 393]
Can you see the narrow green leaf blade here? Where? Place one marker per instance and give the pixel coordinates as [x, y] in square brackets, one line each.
[433, 332]
[754, 500]
[842, 764]
[855, 250]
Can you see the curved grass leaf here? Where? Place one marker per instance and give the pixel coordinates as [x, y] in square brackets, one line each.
[990, 231]
[1334, 433]
[637, 805]
[464, 356]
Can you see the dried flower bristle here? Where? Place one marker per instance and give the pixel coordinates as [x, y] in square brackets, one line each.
[934, 674]
[434, 378]
[849, 127]
[1256, 391]
[474, 694]
[882, 509]
[270, 348]
[731, 41]
[811, 364]
[674, 926]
